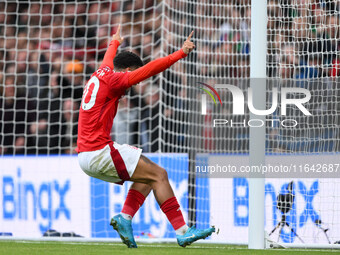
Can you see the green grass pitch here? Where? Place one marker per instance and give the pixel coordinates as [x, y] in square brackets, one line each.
[75, 248]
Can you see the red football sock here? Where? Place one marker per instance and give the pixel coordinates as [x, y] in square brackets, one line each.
[133, 202]
[172, 211]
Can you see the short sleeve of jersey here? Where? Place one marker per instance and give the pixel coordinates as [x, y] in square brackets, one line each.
[118, 82]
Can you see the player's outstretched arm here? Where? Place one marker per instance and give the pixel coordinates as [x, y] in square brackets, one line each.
[112, 50]
[161, 64]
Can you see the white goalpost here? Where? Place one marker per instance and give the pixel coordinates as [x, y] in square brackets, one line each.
[257, 137]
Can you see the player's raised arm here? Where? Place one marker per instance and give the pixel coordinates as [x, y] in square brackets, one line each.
[111, 51]
[161, 64]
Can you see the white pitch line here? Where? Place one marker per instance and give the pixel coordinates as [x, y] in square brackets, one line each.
[172, 246]
[139, 245]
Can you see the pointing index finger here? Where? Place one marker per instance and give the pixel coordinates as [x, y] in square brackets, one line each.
[192, 32]
[118, 30]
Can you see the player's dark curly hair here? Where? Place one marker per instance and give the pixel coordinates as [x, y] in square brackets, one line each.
[127, 59]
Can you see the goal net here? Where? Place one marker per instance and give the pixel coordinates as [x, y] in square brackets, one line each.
[49, 49]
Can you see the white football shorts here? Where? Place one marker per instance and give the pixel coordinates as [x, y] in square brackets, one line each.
[114, 163]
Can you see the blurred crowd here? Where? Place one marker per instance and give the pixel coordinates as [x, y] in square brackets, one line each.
[303, 38]
[49, 49]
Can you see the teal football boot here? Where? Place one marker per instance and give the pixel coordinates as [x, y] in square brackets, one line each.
[124, 229]
[193, 235]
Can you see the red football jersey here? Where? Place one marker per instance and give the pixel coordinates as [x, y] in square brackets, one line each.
[99, 107]
[102, 93]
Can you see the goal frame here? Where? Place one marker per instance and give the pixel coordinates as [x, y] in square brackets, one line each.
[257, 135]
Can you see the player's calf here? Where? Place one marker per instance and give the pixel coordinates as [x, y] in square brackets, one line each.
[157, 178]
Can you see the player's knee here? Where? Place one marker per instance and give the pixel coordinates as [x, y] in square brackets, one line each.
[162, 175]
